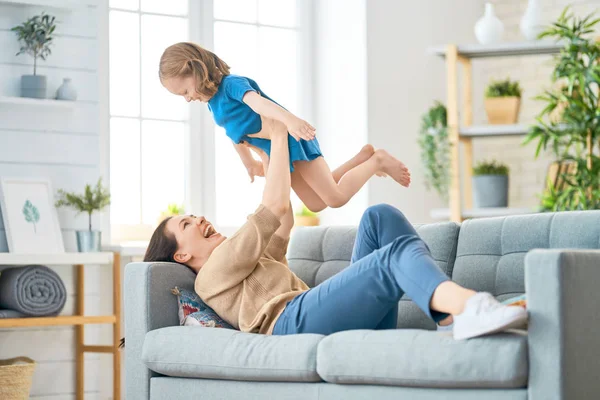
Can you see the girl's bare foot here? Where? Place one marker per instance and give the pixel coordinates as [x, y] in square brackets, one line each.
[393, 167]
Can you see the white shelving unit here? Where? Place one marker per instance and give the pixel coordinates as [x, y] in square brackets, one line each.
[79, 319]
[463, 132]
[26, 101]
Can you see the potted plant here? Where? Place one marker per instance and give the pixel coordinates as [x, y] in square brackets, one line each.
[503, 102]
[92, 199]
[490, 184]
[569, 123]
[35, 38]
[435, 149]
[305, 217]
[172, 210]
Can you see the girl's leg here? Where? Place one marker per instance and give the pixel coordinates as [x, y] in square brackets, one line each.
[362, 295]
[363, 155]
[318, 176]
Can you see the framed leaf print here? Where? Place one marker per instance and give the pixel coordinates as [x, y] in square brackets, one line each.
[29, 217]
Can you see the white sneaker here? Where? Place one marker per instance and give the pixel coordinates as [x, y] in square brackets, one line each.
[483, 315]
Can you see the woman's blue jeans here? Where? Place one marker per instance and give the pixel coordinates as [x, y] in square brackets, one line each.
[388, 260]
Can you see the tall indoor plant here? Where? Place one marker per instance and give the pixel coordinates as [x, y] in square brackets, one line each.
[35, 38]
[573, 136]
[435, 149]
[92, 199]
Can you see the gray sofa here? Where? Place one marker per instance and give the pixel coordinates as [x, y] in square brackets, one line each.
[554, 258]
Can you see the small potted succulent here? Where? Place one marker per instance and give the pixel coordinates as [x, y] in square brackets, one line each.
[490, 184]
[35, 39]
[305, 217]
[503, 102]
[92, 199]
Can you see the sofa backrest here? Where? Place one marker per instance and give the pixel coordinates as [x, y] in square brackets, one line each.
[491, 251]
[317, 253]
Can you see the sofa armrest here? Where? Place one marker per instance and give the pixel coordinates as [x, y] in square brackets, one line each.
[149, 304]
[564, 323]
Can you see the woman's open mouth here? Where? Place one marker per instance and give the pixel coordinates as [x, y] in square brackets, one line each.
[209, 231]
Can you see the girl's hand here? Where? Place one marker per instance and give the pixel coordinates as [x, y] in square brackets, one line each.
[300, 129]
[255, 168]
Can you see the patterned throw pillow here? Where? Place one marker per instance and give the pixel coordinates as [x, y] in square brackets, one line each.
[193, 311]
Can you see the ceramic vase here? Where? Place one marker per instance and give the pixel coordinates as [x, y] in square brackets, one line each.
[531, 23]
[489, 29]
[66, 91]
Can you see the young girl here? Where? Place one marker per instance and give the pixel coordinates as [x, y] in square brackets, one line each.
[237, 104]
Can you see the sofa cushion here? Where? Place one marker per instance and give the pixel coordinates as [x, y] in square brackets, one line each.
[199, 352]
[491, 251]
[317, 253]
[423, 359]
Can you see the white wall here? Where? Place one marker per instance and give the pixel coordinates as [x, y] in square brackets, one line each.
[340, 107]
[64, 147]
[403, 82]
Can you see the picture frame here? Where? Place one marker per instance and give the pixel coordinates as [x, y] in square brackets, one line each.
[30, 218]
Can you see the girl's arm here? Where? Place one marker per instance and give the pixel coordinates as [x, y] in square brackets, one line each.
[297, 127]
[253, 166]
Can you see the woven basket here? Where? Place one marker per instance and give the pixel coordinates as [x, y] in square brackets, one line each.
[15, 378]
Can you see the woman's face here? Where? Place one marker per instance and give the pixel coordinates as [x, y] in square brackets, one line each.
[185, 87]
[196, 239]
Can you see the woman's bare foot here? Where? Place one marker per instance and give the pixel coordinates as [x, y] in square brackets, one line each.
[393, 167]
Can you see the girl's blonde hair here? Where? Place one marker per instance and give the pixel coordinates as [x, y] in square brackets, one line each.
[185, 59]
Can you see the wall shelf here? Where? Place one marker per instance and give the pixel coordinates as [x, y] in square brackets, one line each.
[530, 48]
[54, 4]
[56, 259]
[494, 130]
[444, 213]
[56, 321]
[26, 101]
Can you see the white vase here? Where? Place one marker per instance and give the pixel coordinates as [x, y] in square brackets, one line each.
[531, 23]
[66, 91]
[489, 29]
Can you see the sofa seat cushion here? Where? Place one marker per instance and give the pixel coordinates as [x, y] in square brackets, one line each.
[422, 358]
[200, 352]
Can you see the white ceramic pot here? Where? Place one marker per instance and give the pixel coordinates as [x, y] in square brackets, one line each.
[489, 29]
[531, 23]
[66, 91]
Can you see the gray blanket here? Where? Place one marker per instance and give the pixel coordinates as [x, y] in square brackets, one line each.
[34, 290]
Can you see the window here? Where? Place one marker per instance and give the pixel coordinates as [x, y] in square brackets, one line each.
[258, 39]
[148, 125]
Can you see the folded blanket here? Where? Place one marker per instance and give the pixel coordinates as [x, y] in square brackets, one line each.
[34, 290]
[11, 314]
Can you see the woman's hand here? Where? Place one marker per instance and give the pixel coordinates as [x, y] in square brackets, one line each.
[300, 129]
[255, 168]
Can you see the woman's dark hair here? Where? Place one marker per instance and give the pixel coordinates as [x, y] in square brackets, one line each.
[162, 246]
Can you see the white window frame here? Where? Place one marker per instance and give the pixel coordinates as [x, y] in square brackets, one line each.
[200, 172]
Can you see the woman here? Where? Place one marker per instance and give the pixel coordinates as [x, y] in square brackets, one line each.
[245, 278]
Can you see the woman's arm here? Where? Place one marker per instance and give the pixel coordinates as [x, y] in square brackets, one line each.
[297, 127]
[276, 195]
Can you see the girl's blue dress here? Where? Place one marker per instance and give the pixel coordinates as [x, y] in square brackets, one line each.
[239, 120]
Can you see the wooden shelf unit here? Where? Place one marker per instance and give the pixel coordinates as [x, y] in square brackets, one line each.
[79, 320]
[464, 133]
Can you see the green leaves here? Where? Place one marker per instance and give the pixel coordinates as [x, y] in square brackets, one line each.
[505, 88]
[35, 37]
[577, 72]
[435, 149]
[92, 199]
[31, 213]
[490, 168]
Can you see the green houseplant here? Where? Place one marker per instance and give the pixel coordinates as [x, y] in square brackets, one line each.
[93, 199]
[490, 184]
[172, 210]
[305, 217]
[572, 136]
[435, 149]
[503, 101]
[35, 38]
